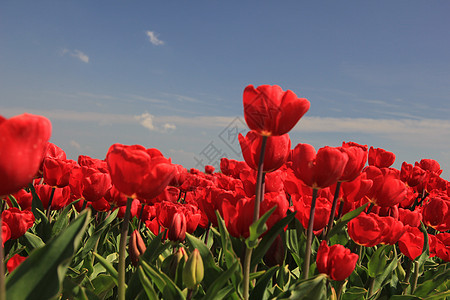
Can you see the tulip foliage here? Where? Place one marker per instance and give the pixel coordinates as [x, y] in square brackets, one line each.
[285, 222]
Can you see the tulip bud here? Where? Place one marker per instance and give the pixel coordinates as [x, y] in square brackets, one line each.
[177, 229]
[170, 263]
[136, 247]
[193, 270]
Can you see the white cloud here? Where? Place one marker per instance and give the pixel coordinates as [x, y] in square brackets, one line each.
[77, 54]
[153, 38]
[75, 144]
[147, 120]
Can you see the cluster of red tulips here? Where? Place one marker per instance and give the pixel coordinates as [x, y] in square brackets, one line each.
[349, 204]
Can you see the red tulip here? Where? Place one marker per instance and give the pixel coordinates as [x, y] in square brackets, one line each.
[335, 261]
[271, 111]
[23, 140]
[429, 165]
[14, 262]
[57, 171]
[387, 189]
[61, 196]
[436, 213]
[412, 176]
[318, 170]
[209, 169]
[139, 172]
[18, 221]
[6, 233]
[380, 158]
[357, 158]
[276, 151]
[411, 242]
[366, 230]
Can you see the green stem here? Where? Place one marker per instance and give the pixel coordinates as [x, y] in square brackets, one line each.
[49, 206]
[247, 261]
[309, 235]
[122, 251]
[2, 267]
[259, 194]
[416, 276]
[333, 210]
[340, 288]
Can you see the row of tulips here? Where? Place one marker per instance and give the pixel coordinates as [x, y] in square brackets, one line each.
[286, 223]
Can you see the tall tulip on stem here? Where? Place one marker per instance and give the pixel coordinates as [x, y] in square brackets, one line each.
[316, 171]
[357, 158]
[270, 112]
[259, 194]
[136, 172]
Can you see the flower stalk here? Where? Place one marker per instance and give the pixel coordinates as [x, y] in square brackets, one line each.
[122, 251]
[309, 235]
[259, 195]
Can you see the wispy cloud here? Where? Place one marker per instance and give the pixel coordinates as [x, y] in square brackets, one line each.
[77, 54]
[147, 120]
[153, 38]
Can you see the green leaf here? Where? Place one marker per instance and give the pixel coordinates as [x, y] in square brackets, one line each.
[426, 247]
[103, 285]
[108, 266]
[439, 296]
[258, 228]
[378, 261]
[93, 239]
[354, 293]
[147, 285]
[36, 202]
[63, 219]
[345, 219]
[404, 297]
[381, 279]
[211, 269]
[42, 273]
[313, 288]
[14, 202]
[267, 240]
[43, 227]
[262, 284]
[427, 287]
[163, 282]
[222, 280]
[31, 241]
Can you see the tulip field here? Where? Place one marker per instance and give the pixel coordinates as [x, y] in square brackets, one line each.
[288, 221]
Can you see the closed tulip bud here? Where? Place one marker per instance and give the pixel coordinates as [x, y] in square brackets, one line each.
[177, 228]
[136, 247]
[193, 270]
[171, 263]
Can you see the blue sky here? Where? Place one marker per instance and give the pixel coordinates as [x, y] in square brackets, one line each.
[170, 75]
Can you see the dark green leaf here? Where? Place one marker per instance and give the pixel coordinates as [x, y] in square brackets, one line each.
[262, 284]
[345, 219]
[42, 273]
[258, 228]
[267, 240]
[354, 293]
[147, 285]
[378, 261]
[222, 280]
[427, 287]
[108, 266]
[313, 288]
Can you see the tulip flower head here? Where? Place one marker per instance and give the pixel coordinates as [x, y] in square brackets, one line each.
[271, 111]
